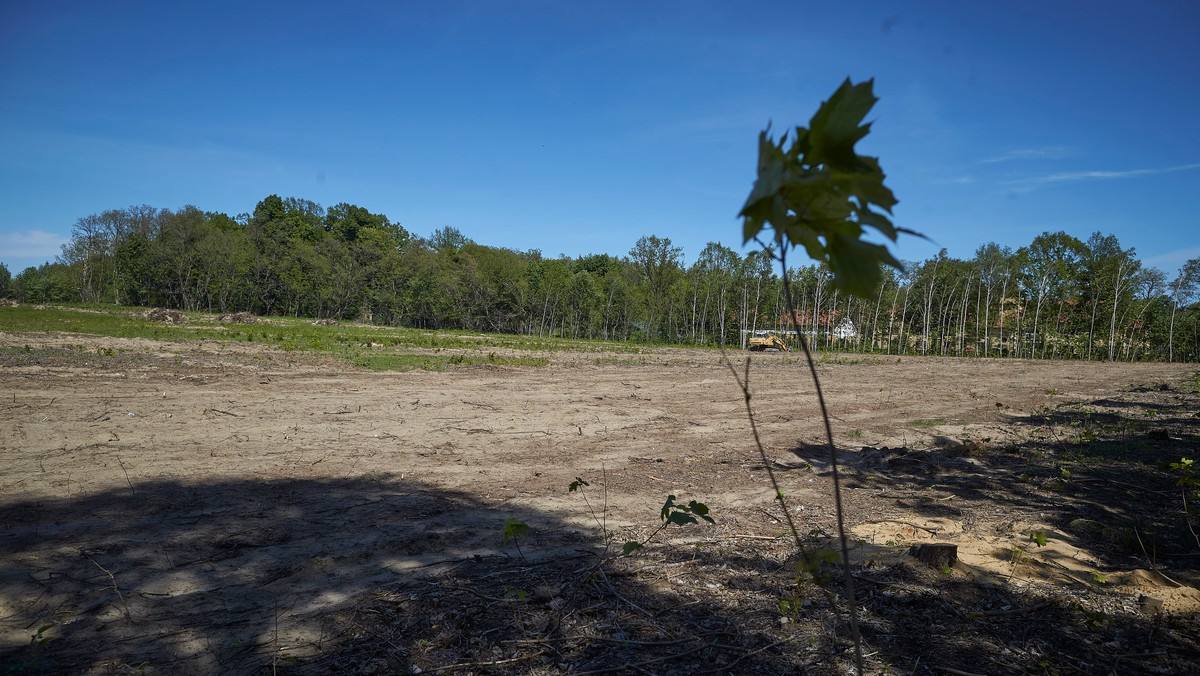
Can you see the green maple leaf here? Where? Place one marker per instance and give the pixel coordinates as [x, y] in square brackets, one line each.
[819, 194]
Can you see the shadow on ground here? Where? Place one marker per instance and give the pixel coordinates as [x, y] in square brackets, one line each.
[387, 575]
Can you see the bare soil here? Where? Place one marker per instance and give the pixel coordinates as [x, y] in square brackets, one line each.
[206, 508]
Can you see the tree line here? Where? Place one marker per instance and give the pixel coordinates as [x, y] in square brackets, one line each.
[1058, 297]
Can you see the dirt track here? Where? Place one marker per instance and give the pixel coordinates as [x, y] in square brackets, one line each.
[199, 510]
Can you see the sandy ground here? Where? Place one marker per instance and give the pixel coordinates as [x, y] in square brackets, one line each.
[194, 508]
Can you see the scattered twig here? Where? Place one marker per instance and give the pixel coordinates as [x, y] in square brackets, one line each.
[644, 663]
[112, 579]
[617, 594]
[217, 410]
[608, 639]
[726, 668]
[488, 663]
[1187, 517]
[478, 405]
[131, 490]
[956, 672]
[935, 531]
[769, 514]
[1150, 560]
[1010, 611]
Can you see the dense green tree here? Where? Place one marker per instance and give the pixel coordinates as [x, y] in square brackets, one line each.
[449, 239]
[48, 283]
[657, 263]
[5, 281]
[1050, 275]
[1185, 290]
[1056, 297]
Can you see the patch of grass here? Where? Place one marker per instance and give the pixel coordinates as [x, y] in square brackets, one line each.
[1193, 385]
[926, 422]
[374, 347]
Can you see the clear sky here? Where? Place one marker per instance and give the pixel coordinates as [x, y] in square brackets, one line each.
[576, 127]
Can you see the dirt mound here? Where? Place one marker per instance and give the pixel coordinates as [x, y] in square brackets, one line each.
[239, 318]
[161, 315]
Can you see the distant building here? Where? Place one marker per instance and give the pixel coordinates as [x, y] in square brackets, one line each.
[845, 330]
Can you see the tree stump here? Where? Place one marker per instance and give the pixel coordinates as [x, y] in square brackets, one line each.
[939, 555]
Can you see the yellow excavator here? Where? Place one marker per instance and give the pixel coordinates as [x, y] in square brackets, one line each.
[762, 341]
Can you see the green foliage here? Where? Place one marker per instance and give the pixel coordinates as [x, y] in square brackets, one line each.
[1058, 298]
[1038, 538]
[514, 528]
[1186, 469]
[39, 638]
[808, 570]
[682, 515]
[821, 195]
[672, 513]
[1189, 478]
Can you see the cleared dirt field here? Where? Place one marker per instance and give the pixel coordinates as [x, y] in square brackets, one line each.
[199, 508]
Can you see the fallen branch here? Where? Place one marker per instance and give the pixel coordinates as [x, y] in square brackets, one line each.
[956, 672]
[644, 663]
[113, 580]
[617, 594]
[1011, 611]
[488, 663]
[752, 653]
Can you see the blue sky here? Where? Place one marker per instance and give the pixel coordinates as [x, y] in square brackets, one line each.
[577, 127]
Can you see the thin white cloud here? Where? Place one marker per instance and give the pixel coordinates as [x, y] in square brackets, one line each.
[1100, 175]
[1171, 261]
[1043, 153]
[958, 180]
[31, 244]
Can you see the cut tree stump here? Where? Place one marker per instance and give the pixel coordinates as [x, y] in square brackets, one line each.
[939, 555]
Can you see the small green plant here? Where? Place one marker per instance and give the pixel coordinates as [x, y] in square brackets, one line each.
[1186, 469]
[514, 529]
[1016, 556]
[39, 638]
[808, 570]
[1093, 619]
[672, 513]
[1188, 482]
[1099, 578]
[1038, 538]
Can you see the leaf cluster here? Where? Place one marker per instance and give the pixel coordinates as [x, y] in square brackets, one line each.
[683, 515]
[820, 194]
